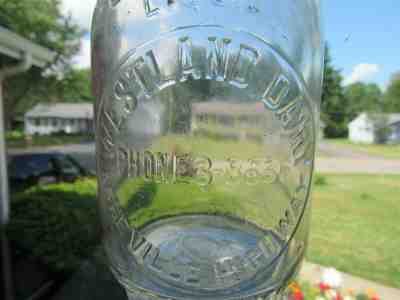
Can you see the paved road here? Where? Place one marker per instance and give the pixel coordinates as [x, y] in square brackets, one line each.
[331, 150]
[360, 165]
[339, 159]
[336, 159]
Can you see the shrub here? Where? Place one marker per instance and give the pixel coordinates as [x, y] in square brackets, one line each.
[57, 224]
[15, 135]
[320, 180]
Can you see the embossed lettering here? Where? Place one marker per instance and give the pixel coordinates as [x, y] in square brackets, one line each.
[289, 113]
[110, 128]
[270, 245]
[253, 7]
[285, 224]
[149, 165]
[193, 4]
[299, 137]
[246, 60]
[126, 90]
[148, 73]
[139, 80]
[185, 60]
[296, 205]
[296, 124]
[225, 270]
[219, 2]
[218, 56]
[276, 91]
[115, 2]
[149, 8]
[257, 258]
[142, 249]
[117, 215]
[184, 168]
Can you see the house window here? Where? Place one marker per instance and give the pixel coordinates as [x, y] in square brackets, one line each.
[36, 122]
[82, 124]
[54, 122]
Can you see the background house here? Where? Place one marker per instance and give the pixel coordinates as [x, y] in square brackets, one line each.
[227, 114]
[226, 119]
[239, 120]
[363, 129]
[69, 118]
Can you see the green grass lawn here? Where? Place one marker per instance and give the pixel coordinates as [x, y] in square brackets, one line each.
[355, 226]
[215, 148]
[146, 202]
[43, 141]
[355, 219]
[386, 151]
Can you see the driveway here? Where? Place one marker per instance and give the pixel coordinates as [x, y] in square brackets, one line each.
[333, 159]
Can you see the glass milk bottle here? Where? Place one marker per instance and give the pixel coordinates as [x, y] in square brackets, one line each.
[206, 123]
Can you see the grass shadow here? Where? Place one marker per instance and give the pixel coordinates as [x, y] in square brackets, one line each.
[142, 197]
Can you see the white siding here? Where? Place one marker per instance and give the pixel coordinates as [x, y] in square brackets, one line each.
[361, 130]
[46, 126]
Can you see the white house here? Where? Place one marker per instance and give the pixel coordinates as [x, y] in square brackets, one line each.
[363, 128]
[70, 118]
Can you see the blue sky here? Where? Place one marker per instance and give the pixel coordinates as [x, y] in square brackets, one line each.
[364, 32]
[364, 36]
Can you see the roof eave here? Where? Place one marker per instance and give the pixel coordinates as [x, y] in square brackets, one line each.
[15, 46]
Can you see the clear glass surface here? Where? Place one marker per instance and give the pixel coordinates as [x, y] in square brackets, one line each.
[206, 123]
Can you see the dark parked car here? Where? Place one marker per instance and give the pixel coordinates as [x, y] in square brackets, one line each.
[26, 170]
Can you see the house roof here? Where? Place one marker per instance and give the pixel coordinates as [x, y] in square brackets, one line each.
[390, 117]
[227, 108]
[62, 110]
[394, 118]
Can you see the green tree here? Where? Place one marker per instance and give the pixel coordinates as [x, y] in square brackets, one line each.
[40, 21]
[334, 109]
[392, 95]
[363, 97]
[75, 86]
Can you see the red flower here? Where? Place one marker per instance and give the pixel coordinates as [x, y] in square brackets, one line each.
[298, 295]
[338, 297]
[375, 298]
[324, 287]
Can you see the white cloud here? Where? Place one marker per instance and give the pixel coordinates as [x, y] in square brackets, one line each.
[82, 60]
[81, 11]
[362, 72]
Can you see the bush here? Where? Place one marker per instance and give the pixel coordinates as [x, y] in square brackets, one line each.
[320, 180]
[57, 224]
[15, 135]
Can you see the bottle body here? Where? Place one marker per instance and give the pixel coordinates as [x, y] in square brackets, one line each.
[206, 120]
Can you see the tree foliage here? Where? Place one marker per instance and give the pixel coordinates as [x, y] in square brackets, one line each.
[75, 86]
[392, 95]
[42, 22]
[334, 108]
[363, 97]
